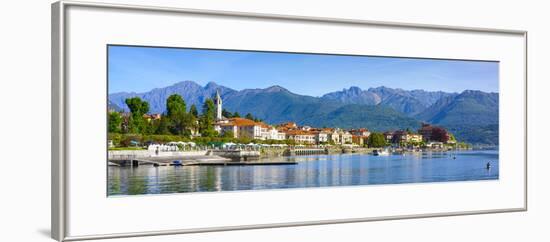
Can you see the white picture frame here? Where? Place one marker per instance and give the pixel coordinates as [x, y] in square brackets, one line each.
[80, 30]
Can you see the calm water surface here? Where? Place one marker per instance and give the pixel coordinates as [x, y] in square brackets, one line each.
[311, 171]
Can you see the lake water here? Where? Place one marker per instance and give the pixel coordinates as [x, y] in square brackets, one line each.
[311, 171]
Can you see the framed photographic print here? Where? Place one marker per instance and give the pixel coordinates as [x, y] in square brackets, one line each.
[207, 120]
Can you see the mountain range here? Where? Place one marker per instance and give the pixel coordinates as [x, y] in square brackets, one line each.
[408, 102]
[472, 116]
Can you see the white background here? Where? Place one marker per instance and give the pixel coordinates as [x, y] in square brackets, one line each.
[86, 118]
[25, 95]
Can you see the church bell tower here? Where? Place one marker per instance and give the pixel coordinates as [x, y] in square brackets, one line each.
[218, 105]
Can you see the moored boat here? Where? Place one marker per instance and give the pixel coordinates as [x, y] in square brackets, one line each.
[380, 152]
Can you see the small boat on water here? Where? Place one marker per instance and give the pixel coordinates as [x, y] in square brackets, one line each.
[380, 152]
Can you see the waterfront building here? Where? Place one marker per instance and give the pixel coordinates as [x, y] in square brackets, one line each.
[360, 132]
[414, 138]
[360, 140]
[225, 126]
[301, 136]
[270, 132]
[332, 135]
[399, 136]
[338, 136]
[279, 135]
[388, 135]
[402, 136]
[434, 145]
[321, 136]
[246, 128]
[345, 137]
[241, 128]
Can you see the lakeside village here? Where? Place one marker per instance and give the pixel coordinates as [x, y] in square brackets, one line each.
[217, 135]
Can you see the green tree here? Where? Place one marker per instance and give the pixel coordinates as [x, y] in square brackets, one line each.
[228, 134]
[249, 116]
[193, 111]
[187, 123]
[135, 125]
[236, 115]
[226, 113]
[148, 127]
[115, 122]
[175, 106]
[206, 126]
[161, 126]
[180, 120]
[138, 107]
[452, 137]
[376, 140]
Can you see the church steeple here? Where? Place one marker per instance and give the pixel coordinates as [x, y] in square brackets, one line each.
[218, 101]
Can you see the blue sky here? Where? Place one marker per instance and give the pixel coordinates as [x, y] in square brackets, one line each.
[140, 69]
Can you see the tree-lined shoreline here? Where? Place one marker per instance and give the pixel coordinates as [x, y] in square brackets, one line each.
[180, 124]
[471, 115]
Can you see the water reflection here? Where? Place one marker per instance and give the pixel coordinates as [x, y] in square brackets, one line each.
[311, 171]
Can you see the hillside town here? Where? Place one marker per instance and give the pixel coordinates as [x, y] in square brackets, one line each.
[250, 128]
[242, 127]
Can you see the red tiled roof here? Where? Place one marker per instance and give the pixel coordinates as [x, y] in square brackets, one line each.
[288, 125]
[240, 122]
[264, 125]
[298, 132]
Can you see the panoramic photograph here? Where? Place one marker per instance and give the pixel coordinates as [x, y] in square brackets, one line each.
[186, 120]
